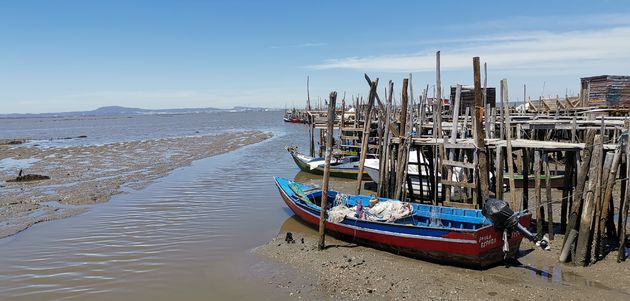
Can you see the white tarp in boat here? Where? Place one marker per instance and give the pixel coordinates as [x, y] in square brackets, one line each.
[384, 211]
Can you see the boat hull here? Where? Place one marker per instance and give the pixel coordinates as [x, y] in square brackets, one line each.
[476, 249]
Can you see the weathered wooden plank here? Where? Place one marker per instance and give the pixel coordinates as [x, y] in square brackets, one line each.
[458, 164]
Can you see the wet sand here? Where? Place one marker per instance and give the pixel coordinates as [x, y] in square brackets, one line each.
[83, 175]
[345, 271]
[348, 271]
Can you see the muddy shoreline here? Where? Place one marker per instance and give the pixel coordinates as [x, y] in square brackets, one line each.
[84, 175]
[347, 271]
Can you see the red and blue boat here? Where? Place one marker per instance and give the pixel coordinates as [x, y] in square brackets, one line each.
[456, 236]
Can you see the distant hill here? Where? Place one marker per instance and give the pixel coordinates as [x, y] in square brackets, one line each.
[118, 110]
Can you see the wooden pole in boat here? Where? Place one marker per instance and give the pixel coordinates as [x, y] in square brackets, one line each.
[366, 132]
[328, 154]
[482, 159]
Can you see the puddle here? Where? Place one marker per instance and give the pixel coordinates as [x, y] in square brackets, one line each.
[555, 274]
[11, 163]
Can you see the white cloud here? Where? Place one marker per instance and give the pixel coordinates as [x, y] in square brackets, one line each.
[533, 50]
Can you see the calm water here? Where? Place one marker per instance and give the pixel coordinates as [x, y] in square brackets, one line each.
[188, 236]
[107, 129]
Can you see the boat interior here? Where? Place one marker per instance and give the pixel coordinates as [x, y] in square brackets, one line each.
[422, 216]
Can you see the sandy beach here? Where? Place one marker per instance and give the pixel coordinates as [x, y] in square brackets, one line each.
[83, 175]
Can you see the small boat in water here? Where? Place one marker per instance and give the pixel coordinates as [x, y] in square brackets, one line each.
[340, 166]
[464, 237]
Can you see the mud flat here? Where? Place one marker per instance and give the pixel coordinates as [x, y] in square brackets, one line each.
[83, 175]
[345, 271]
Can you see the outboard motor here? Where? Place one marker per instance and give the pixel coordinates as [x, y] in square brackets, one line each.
[504, 218]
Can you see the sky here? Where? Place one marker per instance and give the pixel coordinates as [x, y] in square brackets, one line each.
[80, 55]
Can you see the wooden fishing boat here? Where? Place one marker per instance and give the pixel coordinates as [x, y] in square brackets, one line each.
[341, 167]
[463, 237]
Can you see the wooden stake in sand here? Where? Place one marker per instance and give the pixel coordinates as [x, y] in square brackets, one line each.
[328, 154]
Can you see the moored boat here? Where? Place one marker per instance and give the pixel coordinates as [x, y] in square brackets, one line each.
[341, 167]
[455, 236]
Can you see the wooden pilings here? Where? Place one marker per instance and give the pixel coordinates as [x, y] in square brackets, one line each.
[453, 162]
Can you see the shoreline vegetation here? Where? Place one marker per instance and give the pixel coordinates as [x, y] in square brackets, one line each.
[90, 174]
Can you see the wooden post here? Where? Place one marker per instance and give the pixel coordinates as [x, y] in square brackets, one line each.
[311, 121]
[508, 135]
[384, 161]
[569, 170]
[402, 150]
[586, 221]
[480, 143]
[498, 173]
[548, 193]
[366, 133]
[308, 95]
[539, 211]
[524, 99]
[485, 85]
[451, 155]
[525, 172]
[328, 154]
[600, 208]
[623, 210]
[439, 155]
[579, 188]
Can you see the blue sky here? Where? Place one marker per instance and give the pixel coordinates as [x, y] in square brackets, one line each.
[80, 55]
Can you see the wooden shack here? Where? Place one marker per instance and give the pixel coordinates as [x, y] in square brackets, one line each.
[606, 90]
[467, 99]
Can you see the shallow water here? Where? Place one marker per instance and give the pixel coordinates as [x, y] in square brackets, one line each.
[187, 236]
[17, 164]
[91, 130]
